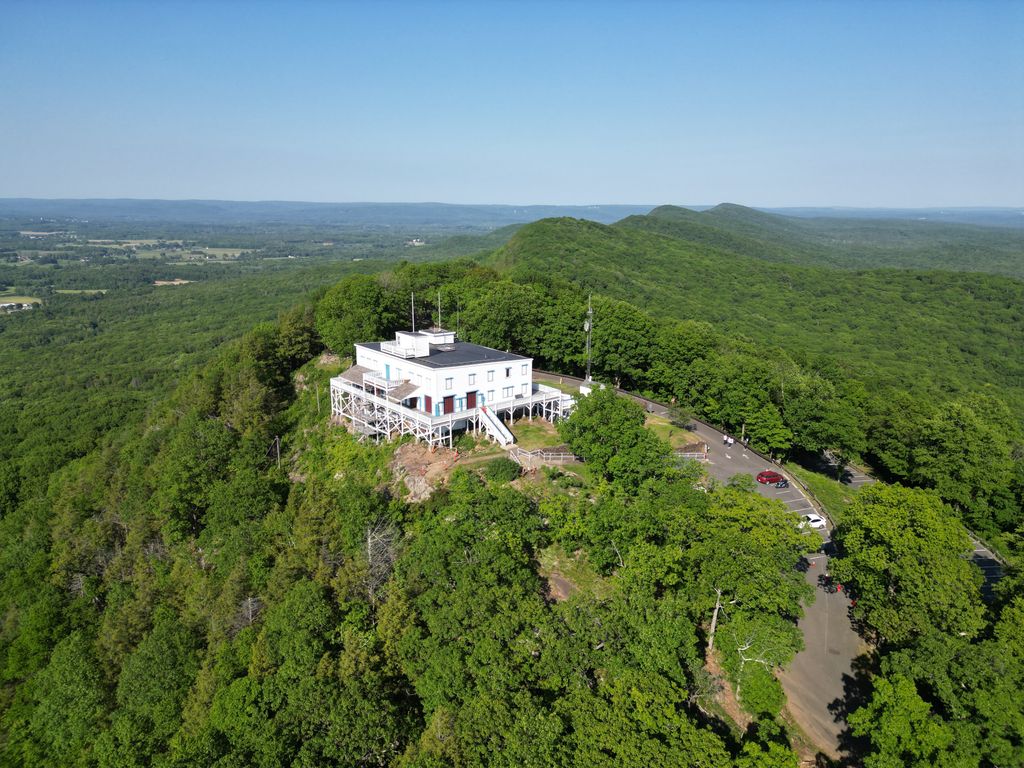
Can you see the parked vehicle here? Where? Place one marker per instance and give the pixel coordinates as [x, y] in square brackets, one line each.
[769, 477]
[783, 483]
[811, 520]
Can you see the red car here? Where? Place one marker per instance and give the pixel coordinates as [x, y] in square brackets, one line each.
[768, 477]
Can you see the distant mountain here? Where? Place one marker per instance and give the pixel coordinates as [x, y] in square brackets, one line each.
[906, 328]
[385, 215]
[848, 243]
[988, 217]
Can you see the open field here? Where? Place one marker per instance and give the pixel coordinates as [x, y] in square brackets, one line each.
[539, 433]
[81, 290]
[4, 298]
[675, 436]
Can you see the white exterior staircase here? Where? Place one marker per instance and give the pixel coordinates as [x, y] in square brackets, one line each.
[495, 428]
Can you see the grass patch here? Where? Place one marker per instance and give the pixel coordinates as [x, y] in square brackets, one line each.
[20, 299]
[539, 433]
[832, 494]
[671, 433]
[81, 290]
[574, 568]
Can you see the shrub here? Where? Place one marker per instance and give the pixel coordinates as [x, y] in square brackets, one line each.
[502, 470]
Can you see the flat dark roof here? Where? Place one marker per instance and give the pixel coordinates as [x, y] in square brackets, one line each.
[452, 355]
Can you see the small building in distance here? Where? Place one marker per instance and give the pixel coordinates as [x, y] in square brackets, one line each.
[16, 306]
[427, 384]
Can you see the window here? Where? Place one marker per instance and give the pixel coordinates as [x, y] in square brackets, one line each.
[490, 375]
[490, 395]
[449, 383]
[507, 391]
[508, 372]
[526, 389]
[525, 367]
[472, 378]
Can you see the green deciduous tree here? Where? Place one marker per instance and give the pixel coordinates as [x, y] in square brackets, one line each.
[357, 309]
[767, 431]
[904, 732]
[902, 555]
[608, 432]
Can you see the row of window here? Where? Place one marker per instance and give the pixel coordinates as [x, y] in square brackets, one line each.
[507, 393]
[449, 383]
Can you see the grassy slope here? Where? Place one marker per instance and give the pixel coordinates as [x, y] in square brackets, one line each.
[843, 243]
[932, 331]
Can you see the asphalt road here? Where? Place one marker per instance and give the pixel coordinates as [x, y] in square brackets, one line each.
[819, 675]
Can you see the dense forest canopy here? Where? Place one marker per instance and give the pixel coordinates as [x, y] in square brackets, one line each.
[849, 243]
[173, 595]
[930, 333]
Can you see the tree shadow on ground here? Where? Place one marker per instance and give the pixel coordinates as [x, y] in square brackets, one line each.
[856, 693]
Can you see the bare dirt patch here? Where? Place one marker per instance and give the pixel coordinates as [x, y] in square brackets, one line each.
[176, 281]
[422, 469]
[726, 697]
[328, 360]
[567, 574]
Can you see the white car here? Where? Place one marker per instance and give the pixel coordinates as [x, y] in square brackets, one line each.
[810, 520]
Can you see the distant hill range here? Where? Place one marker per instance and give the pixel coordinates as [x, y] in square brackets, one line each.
[849, 243]
[440, 215]
[897, 302]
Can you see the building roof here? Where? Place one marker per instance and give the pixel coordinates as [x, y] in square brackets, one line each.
[454, 355]
[355, 374]
[403, 391]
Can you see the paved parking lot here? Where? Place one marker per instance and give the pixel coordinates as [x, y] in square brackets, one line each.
[819, 675]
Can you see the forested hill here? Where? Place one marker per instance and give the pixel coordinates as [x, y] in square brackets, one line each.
[176, 594]
[849, 243]
[928, 332]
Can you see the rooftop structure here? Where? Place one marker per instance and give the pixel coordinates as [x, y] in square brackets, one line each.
[428, 384]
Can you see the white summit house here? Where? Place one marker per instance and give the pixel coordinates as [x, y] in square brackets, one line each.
[427, 384]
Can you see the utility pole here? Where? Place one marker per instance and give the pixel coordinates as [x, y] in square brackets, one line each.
[588, 326]
[439, 325]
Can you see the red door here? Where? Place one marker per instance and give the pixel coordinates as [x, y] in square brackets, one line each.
[471, 399]
[449, 404]
[427, 405]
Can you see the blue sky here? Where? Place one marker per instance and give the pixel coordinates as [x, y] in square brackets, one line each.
[761, 103]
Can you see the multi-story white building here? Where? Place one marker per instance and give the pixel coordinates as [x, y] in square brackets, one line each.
[427, 384]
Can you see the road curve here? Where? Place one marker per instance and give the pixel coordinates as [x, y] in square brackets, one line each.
[820, 674]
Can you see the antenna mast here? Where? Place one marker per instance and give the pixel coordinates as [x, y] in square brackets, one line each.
[412, 298]
[439, 324]
[588, 326]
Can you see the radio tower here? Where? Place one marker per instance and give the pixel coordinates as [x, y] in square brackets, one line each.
[588, 326]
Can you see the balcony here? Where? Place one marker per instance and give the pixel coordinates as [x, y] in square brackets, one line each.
[396, 349]
[377, 381]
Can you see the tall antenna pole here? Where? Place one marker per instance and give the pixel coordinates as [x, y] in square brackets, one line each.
[439, 324]
[588, 326]
[413, 301]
